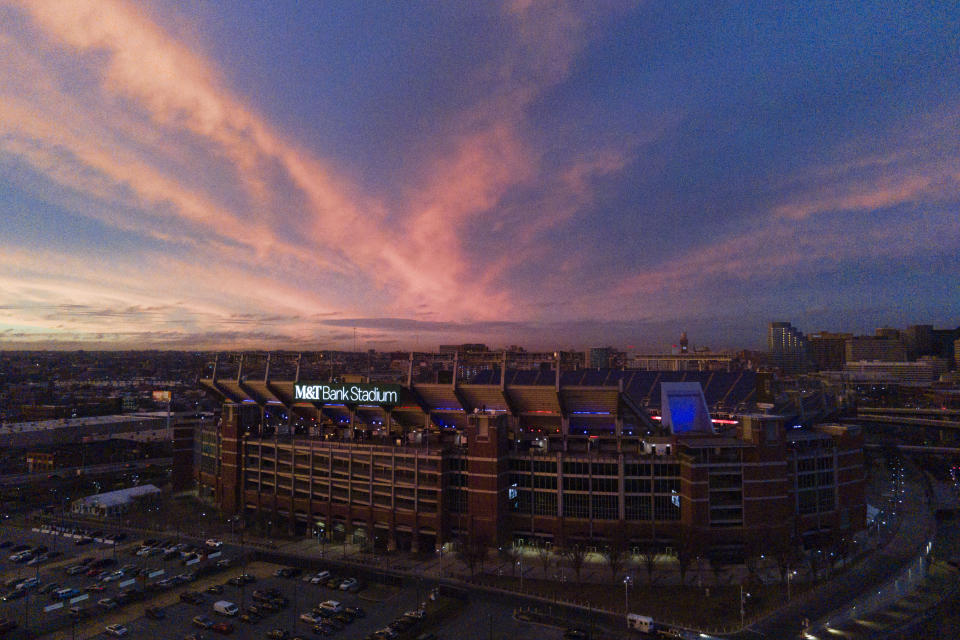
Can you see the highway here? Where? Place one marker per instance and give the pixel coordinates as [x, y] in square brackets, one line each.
[88, 470]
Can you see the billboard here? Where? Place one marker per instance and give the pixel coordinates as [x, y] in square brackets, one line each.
[347, 393]
[161, 396]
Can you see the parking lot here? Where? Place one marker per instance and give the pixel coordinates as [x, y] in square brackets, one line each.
[115, 598]
[93, 596]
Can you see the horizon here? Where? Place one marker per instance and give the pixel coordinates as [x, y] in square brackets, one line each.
[228, 176]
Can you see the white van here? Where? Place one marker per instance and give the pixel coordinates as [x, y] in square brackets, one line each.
[225, 608]
[643, 624]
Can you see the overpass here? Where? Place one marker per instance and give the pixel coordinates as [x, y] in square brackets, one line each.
[940, 425]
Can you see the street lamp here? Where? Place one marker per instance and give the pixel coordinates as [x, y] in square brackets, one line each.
[790, 575]
[627, 580]
[520, 564]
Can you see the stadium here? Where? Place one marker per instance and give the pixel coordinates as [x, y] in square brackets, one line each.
[541, 456]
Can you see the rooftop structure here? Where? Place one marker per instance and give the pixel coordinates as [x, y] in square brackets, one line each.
[112, 502]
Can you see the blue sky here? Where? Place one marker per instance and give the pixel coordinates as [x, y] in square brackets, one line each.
[274, 175]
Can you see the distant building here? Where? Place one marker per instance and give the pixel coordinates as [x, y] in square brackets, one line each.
[884, 349]
[919, 340]
[828, 350]
[922, 371]
[112, 503]
[787, 347]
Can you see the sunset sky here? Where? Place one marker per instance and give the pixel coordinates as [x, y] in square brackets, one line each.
[275, 174]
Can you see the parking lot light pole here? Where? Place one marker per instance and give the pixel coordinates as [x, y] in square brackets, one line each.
[626, 598]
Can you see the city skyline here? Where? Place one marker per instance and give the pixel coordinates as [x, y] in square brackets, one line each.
[232, 175]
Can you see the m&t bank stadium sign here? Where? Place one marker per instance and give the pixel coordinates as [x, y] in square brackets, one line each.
[385, 394]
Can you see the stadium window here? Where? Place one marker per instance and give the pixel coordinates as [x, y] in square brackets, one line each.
[576, 505]
[544, 503]
[605, 507]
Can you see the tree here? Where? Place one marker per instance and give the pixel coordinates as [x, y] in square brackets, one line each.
[783, 548]
[716, 565]
[843, 546]
[545, 557]
[575, 555]
[648, 556]
[816, 556]
[689, 546]
[754, 546]
[510, 553]
[473, 551]
[615, 551]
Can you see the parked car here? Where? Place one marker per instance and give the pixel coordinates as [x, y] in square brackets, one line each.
[29, 583]
[348, 584]
[154, 613]
[117, 630]
[192, 597]
[278, 634]
[222, 627]
[215, 588]
[331, 605]
[213, 543]
[107, 603]
[202, 621]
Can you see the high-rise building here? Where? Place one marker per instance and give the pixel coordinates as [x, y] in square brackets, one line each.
[919, 340]
[875, 348]
[828, 350]
[787, 346]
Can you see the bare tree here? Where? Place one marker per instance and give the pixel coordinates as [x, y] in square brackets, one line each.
[716, 565]
[648, 556]
[843, 547]
[510, 553]
[473, 551]
[689, 546]
[575, 555]
[816, 556]
[615, 552]
[545, 557]
[754, 546]
[783, 548]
